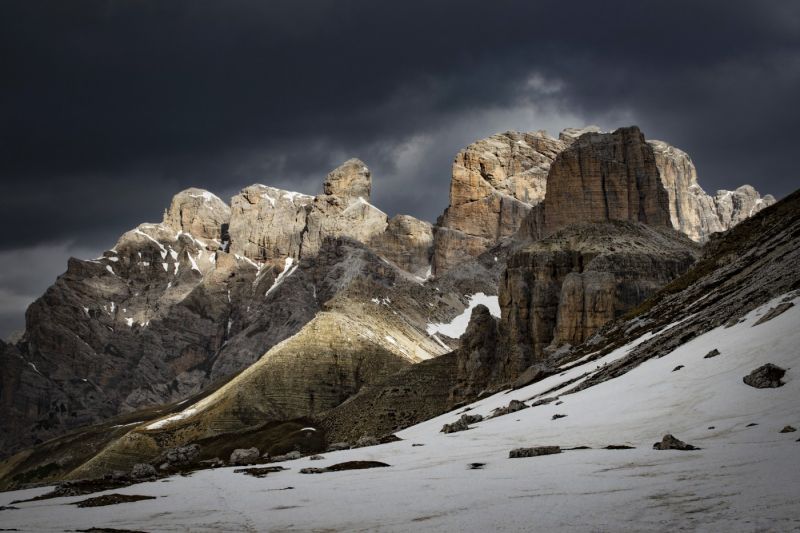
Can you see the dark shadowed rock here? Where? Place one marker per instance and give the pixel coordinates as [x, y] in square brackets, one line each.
[142, 470]
[476, 357]
[788, 429]
[712, 353]
[671, 443]
[461, 424]
[767, 376]
[775, 311]
[533, 452]
[512, 407]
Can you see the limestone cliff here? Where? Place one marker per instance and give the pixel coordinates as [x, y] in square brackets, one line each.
[495, 182]
[562, 289]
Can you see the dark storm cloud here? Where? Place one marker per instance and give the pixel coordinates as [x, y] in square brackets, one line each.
[108, 108]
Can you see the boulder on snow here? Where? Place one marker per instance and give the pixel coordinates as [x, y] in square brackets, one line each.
[142, 470]
[533, 452]
[788, 429]
[512, 407]
[316, 458]
[180, 456]
[775, 311]
[712, 353]
[336, 446]
[765, 377]
[245, 456]
[291, 456]
[461, 424]
[671, 443]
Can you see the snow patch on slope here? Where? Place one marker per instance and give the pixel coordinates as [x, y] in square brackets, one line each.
[456, 327]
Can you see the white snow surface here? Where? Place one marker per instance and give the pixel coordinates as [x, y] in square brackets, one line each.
[288, 270]
[742, 479]
[456, 327]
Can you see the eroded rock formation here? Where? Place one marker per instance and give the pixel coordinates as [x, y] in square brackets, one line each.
[562, 289]
[495, 182]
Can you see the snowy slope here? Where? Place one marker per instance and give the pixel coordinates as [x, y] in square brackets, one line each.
[743, 478]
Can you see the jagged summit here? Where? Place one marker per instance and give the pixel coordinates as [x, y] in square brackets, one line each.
[198, 212]
[500, 185]
[351, 179]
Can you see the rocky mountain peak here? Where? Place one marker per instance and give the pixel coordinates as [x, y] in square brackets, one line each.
[350, 180]
[570, 135]
[198, 212]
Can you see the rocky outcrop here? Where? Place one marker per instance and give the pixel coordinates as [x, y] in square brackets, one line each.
[602, 177]
[408, 243]
[694, 212]
[499, 184]
[267, 224]
[733, 207]
[199, 213]
[560, 290]
[477, 357]
[495, 182]
[765, 377]
[351, 180]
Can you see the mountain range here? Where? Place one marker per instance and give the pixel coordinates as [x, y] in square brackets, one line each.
[296, 324]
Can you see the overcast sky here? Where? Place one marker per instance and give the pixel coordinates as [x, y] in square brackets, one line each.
[107, 108]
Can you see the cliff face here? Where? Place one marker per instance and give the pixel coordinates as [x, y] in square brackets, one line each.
[692, 211]
[562, 289]
[499, 185]
[495, 182]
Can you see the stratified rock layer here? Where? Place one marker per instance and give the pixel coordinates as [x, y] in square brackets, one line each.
[495, 181]
[562, 289]
[602, 177]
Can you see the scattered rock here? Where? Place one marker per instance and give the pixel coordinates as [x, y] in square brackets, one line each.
[671, 443]
[180, 456]
[559, 402]
[348, 465]
[767, 376]
[112, 499]
[259, 472]
[619, 447]
[712, 353]
[476, 466]
[366, 440]
[245, 456]
[417, 444]
[543, 401]
[462, 424]
[788, 429]
[751, 424]
[7, 507]
[312, 470]
[677, 368]
[143, 470]
[356, 465]
[291, 456]
[711, 427]
[316, 458]
[775, 311]
[336, 446]
[557, 416]
[533, 373]
[533, 452]
[512, 407]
